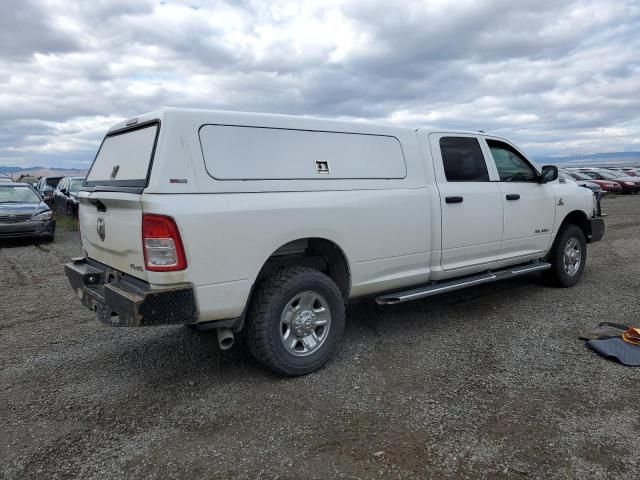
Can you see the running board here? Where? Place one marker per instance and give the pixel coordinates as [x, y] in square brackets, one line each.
[443, 287]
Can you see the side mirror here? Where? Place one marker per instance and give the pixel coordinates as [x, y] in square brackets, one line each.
[64, 191]
[549, 174]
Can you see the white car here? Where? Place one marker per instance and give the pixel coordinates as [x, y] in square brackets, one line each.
[271, 223]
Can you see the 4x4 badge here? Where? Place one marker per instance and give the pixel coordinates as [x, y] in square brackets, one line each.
[101, 228]
[560, 202]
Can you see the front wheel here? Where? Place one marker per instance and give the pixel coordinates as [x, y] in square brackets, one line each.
[295, 320]
[568, 257]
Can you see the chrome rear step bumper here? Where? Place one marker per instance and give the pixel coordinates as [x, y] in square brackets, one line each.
[449, 286]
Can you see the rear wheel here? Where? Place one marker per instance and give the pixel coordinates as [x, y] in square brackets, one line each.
[568, 257]
[295, 320]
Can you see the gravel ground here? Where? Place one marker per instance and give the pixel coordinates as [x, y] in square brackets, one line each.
[485, 382]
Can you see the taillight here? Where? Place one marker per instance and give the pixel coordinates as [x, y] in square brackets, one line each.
[163, 249]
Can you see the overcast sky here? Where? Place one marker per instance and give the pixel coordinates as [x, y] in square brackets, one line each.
[557, 77]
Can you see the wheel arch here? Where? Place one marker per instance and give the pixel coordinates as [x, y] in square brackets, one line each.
[579, 218]
[315, 252]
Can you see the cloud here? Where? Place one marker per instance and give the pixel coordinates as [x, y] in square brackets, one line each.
[24, 31]
[556, 77]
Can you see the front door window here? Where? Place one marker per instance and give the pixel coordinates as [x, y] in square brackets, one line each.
[510, 164]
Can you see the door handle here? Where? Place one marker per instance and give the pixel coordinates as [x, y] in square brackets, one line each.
[513, 196]
[453, 199]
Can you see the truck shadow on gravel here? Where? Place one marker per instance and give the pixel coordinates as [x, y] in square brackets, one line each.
[170, 354]
[174, 358]
[439, 311]
[22, 242]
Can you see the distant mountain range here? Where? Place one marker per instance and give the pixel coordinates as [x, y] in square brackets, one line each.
[596, 159]
[16, 172]
[4, 169]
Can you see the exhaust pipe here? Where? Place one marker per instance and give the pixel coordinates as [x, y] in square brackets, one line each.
[225, 338]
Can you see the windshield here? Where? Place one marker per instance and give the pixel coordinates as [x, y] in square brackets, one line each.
[607, 175]
[75, 184]
[615, 174]
[18, 194]
[566, 177]
[50, 184]
[580, 176]
[599, 175]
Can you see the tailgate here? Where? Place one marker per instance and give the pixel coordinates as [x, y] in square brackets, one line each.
[111, 230]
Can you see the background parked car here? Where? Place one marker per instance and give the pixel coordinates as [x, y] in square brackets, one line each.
[65, 196]
[620, 173]
[629, 172]
[46, 186]
[624, 176]
[594, 187]
[628, 184]
[606, 185]
[23, 213]
[634, 172]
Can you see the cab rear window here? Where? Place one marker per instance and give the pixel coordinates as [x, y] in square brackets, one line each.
[124, 158]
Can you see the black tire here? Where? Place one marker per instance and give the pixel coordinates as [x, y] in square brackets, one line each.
[263, 329]
[557, 275]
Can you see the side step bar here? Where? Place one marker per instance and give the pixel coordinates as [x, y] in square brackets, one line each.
[449, 286]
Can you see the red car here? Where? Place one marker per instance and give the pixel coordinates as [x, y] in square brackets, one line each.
[606, 185]
[628, 184]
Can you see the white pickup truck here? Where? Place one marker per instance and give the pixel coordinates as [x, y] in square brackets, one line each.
[270, 224]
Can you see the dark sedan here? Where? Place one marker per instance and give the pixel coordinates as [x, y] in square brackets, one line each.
[23, 213]
[65, 197]
[46, 186]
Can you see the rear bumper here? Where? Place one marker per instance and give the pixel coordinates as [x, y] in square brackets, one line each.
[123, 301]
[45, 228]
[596, 229]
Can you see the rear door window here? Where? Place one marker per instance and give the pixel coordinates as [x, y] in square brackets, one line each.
[124, 158]
[463, 160]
